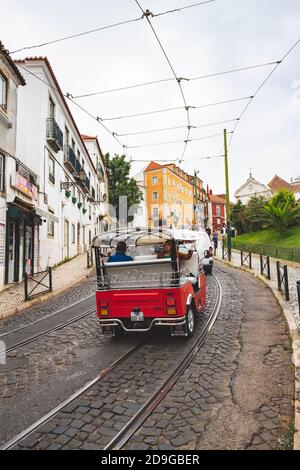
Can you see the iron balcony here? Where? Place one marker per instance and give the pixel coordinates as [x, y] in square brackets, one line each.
[54, 135]
[69, 158]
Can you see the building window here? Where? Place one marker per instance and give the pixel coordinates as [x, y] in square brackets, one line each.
[1, 173]
[154, 180]
[155, 212]
[73, 234]
[169, 180]
[67, 136]
[155, 196]
[51, 163]
[73, 145]
[51, 228]
[51, 109]
[218, 209]
[3, 91]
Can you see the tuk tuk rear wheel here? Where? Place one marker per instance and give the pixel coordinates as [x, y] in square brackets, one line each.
[190, 321]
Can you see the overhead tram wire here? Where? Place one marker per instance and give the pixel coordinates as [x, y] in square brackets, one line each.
[102, 28]
[261, 86]
[173, 141]
[172, 160]
[164, 110]
[176, 127]
[69, 97]
[154, 82]
[146, 15]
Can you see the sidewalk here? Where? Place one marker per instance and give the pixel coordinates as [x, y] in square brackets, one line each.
[293, 277]
[63, 277]
[290, 310]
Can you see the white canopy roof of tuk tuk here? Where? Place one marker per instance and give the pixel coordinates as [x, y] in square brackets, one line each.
[146, 237]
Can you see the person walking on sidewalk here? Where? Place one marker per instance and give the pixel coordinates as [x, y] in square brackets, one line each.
[215, 240]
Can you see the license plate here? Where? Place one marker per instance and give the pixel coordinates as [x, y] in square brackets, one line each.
[137, 316]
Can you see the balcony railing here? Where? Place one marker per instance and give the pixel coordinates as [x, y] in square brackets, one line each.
[69, 158]
[54, 135]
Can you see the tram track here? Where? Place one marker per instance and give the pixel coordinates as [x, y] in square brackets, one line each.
[136, 421]
[46, 317]
[60, 326]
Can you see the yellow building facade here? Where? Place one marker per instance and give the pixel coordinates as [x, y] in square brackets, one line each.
[169, 196]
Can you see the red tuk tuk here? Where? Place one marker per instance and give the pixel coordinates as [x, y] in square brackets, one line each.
[135, 296]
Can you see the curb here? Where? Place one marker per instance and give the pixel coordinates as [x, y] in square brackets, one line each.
[295, 336]
[42, 298]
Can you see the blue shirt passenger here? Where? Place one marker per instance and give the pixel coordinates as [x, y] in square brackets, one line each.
[120, 255]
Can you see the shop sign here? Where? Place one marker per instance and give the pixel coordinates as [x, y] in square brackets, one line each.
[25, 186]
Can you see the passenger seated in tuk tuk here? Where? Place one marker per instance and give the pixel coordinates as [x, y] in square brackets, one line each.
[120, 255]
[166, 253]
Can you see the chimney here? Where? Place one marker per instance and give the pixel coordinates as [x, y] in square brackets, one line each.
[210, 192]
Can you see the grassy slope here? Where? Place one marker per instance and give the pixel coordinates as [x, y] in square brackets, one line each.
[271, 237]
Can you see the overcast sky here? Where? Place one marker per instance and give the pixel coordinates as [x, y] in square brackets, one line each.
[202, 40]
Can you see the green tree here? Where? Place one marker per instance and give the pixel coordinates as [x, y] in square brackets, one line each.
[238, 217]
[282, 211]
[120, 183]
[283, 197]
[281, 216]
[254, 213]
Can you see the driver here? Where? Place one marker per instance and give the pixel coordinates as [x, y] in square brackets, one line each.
[166, 253]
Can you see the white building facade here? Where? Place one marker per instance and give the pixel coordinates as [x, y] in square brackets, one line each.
[52, 206]
[251, 188]
[139, 212]
[10, 80]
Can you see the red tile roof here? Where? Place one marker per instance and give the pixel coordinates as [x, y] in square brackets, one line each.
[277, 183]
[88, 137]
[217, 199]
[11, 63]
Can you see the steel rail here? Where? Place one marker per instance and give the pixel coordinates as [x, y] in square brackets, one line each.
[151, 404]
[22, 435]
[32, 338]
[45, 317]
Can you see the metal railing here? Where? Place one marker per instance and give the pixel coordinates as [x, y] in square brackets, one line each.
[36, 284]
[265, 266]
[290, 254]
[282, 279]
[136, 279]
[69, 157]
[226, 254]
[246, 259]
[89, 258]
[54, 134]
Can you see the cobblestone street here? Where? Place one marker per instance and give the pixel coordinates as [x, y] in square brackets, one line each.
[237, 393]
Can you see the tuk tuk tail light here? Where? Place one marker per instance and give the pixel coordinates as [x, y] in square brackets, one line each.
[171, 302]
[104, 312]
[171, 311]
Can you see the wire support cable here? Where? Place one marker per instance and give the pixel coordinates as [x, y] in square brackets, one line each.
[110, 26]
[165, 110]
[177, 127]
[171, 79]
[264, 82]
[173, 141]
[146, 15]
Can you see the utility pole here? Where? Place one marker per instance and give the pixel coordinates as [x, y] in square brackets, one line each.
[227, 195]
